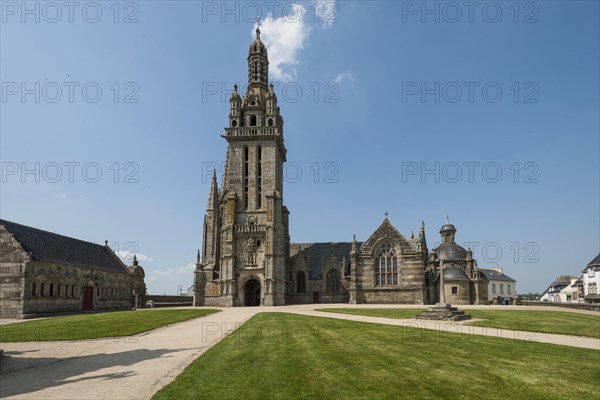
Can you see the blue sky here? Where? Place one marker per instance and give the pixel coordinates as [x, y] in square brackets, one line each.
[367, 120]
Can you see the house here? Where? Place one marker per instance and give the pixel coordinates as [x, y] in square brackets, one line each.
[591, 281]
[562, 290]
[501, 287]
[46, 273]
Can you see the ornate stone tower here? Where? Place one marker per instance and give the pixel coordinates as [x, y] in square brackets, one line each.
[246, 235]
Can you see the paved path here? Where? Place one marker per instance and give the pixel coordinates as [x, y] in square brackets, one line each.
[443, 327]
[138, 366]
[123, 368]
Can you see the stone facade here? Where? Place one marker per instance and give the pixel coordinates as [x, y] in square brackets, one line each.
[45, 273]
[247, 258]
[246, 240]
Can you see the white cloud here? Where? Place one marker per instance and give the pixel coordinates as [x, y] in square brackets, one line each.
[284, 37]
[344, 75]
[63, 196]
[127, 256]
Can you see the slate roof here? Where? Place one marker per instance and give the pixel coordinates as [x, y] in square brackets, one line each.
[594, 263]
[450, 252]
[455, 274]
[54, 248]
[493, 275]
[316, 253]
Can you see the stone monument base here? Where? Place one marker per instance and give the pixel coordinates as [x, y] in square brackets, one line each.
[443, 312]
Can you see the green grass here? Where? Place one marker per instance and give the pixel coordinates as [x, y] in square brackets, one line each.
[559, 322]
[287, 356]
[94, 326]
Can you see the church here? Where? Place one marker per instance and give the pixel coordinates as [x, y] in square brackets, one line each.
[247, 258]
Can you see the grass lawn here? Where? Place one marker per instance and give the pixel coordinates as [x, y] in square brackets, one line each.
[287, 356]
[560, 322]
[94, 326]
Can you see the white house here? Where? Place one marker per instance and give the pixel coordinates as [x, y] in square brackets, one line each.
[564, 289]
[591, 281]
[500, 286]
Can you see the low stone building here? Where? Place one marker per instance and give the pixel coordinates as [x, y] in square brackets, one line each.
[45, 273]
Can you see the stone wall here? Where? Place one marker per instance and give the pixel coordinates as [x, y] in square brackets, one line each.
[577, 306]
[12, 264]
[169, 301]
[53, 288]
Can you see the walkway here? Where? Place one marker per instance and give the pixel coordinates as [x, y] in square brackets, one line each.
[137, 367]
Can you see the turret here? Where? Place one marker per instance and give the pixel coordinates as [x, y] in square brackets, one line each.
[258, 64]
[447, 232]
[235, 108]
[211, 226]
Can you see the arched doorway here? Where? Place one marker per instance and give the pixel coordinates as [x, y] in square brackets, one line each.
[252, 293]
[315, 297]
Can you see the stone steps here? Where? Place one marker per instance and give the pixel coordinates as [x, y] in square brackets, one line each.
[443, 312]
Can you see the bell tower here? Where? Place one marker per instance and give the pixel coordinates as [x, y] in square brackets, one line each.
[254, 232]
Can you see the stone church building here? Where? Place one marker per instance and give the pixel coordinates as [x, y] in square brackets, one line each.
[45, 273]
[247, 258]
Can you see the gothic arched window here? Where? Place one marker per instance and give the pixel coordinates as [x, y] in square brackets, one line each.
[333, 281]
[253, 120]
[270, 122]
[386, 266]
[300, 282]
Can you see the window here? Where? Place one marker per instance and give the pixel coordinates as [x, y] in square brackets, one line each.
[454, 289]
[501, 288]
[42, 291]
[259, 177]
[270, 122]
[333, 281]
[234, 123]
[493, 288]
[73, 291]
[246, 181]
[301, 282]
[58, 290]
[592, 288]
[591, 272]
[51, 289]
[508, 288]
[386, 266]
[253, 120]
[33, 289]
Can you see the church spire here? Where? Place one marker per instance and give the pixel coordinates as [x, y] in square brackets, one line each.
[213, 197]
[258, 64]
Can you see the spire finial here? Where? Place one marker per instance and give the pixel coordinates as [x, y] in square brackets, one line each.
[257, 28]
[198, 257]
[235, 88]
[135, 260]
[447, 219]
[385, 214]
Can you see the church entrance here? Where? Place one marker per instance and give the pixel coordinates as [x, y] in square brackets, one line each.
[88, 298]
[252, 293]
[315, 297]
